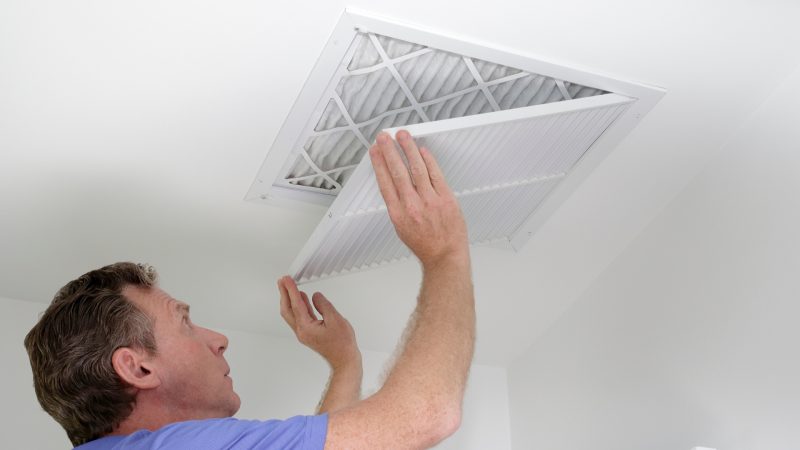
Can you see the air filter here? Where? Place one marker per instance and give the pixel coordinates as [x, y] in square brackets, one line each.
[508, 131]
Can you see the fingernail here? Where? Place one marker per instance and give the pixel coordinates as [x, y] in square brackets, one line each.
[382, 138]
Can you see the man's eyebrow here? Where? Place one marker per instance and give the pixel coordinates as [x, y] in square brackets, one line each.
[180, 306]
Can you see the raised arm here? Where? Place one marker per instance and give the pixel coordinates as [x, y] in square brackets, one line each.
[332, 337]
[420, 403]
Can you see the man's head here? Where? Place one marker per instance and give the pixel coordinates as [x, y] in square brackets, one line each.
[112, 343]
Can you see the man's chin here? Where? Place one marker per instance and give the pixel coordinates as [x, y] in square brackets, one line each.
[229, 407]
[236, 403]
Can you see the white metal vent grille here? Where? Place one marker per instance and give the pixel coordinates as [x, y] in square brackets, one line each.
[385, 83]
[501, 167]
[514, 134]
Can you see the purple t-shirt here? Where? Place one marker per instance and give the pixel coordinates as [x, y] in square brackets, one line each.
[299, 432]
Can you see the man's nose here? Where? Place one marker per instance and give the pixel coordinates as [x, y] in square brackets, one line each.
[217, 341]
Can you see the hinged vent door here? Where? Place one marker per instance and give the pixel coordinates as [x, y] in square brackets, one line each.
[501, 165]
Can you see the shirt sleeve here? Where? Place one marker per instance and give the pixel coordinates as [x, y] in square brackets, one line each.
[296, 433]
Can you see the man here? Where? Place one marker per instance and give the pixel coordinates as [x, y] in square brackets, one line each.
[119, 364]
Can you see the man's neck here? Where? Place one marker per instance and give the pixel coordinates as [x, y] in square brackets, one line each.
[151, 412]
[145, 417]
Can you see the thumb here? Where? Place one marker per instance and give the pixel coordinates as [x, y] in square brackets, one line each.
[324, 306]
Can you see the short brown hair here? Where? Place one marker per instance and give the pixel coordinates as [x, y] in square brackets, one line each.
[70, 349]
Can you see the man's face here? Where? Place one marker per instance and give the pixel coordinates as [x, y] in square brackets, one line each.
[189, 359]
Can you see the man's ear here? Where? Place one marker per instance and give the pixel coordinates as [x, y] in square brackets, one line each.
[134, 368]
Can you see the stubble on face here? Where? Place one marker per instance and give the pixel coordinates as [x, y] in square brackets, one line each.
[189, 359]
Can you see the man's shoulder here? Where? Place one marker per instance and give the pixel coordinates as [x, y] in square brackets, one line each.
[298, 432]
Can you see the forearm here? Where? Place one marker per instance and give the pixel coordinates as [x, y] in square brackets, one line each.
[420, 402]
[332, 337]
[433, 366]
[343, 389]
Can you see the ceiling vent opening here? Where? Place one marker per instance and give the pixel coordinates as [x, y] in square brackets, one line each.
[389, 83]
[513, 134]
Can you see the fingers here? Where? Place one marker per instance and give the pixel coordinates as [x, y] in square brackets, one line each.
[435, 174]
[310, 309]
[324, 306]
[286, 306]
[416, 165]
[385, 182]
[300, 308]
[398, 171]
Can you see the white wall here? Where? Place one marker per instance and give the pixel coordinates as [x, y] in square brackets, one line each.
[275, 377]
[691, 337]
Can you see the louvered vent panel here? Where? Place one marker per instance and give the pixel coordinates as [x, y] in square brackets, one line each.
[501, 166]
[533, 148]
[361, 241]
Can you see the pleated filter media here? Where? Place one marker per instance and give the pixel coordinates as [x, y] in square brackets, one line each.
[388, 83]
[514, 136]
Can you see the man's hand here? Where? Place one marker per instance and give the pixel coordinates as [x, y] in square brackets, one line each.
[332, 337]
[422, 207]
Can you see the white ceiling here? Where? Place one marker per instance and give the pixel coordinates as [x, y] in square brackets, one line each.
[132, 131]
